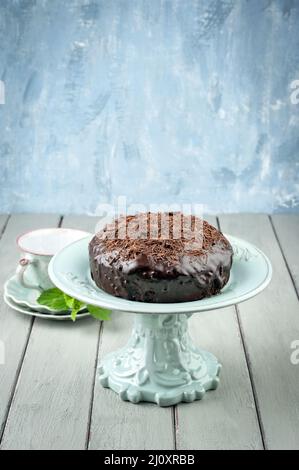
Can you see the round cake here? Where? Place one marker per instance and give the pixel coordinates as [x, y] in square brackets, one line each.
[147, 259]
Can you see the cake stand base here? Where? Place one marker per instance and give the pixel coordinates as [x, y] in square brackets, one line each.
[160, 363]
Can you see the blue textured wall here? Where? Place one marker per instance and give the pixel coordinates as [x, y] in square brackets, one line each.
[178, 100]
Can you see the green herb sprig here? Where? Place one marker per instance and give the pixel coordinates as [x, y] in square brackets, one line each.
[58, 300]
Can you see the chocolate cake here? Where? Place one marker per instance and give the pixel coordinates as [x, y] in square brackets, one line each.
[135, 258]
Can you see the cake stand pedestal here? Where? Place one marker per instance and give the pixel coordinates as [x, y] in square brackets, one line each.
[160, 363]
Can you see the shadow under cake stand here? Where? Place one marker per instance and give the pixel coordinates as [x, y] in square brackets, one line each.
[160, 363]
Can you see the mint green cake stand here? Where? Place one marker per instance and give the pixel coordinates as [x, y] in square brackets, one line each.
[160, 363]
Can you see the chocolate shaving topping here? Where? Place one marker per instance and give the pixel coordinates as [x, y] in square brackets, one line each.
[160, 236]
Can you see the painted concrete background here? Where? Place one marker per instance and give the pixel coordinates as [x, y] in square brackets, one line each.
[160, 101]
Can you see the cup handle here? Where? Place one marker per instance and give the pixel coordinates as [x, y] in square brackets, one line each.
[23, 265]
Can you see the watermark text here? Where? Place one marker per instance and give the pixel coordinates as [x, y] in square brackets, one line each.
[294, 97]
[151, 221]
[294, 358]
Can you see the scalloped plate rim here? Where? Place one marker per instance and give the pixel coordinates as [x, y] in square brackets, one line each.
[34, 313]
[24, 303]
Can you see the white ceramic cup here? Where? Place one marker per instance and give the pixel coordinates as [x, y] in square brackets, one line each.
[38, 247]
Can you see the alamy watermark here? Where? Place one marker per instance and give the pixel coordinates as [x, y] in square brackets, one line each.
[294, 97]
[152, 221]
[294, 357]
[2, 92]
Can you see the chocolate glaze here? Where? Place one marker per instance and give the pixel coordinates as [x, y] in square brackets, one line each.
[154, 270]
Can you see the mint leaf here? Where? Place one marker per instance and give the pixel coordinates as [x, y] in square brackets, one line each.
[58, 300]
[99, 313]
[74, 313]
[74, 304]
[68, 300]
[53, 298]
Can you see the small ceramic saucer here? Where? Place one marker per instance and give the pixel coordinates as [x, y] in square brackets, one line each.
[34, 313]
[25, 297]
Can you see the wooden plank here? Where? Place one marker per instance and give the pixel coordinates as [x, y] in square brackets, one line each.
[287, 230]
[270, 323]
[51, 406]
[122, 425]
[3, 222]
[14, 327]
[226, 418]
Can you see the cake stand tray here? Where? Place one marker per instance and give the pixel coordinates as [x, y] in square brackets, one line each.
[160, 362]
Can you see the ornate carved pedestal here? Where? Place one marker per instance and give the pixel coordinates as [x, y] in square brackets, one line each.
[160, 363]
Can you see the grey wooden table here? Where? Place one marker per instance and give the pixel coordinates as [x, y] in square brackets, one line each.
[50, 398]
